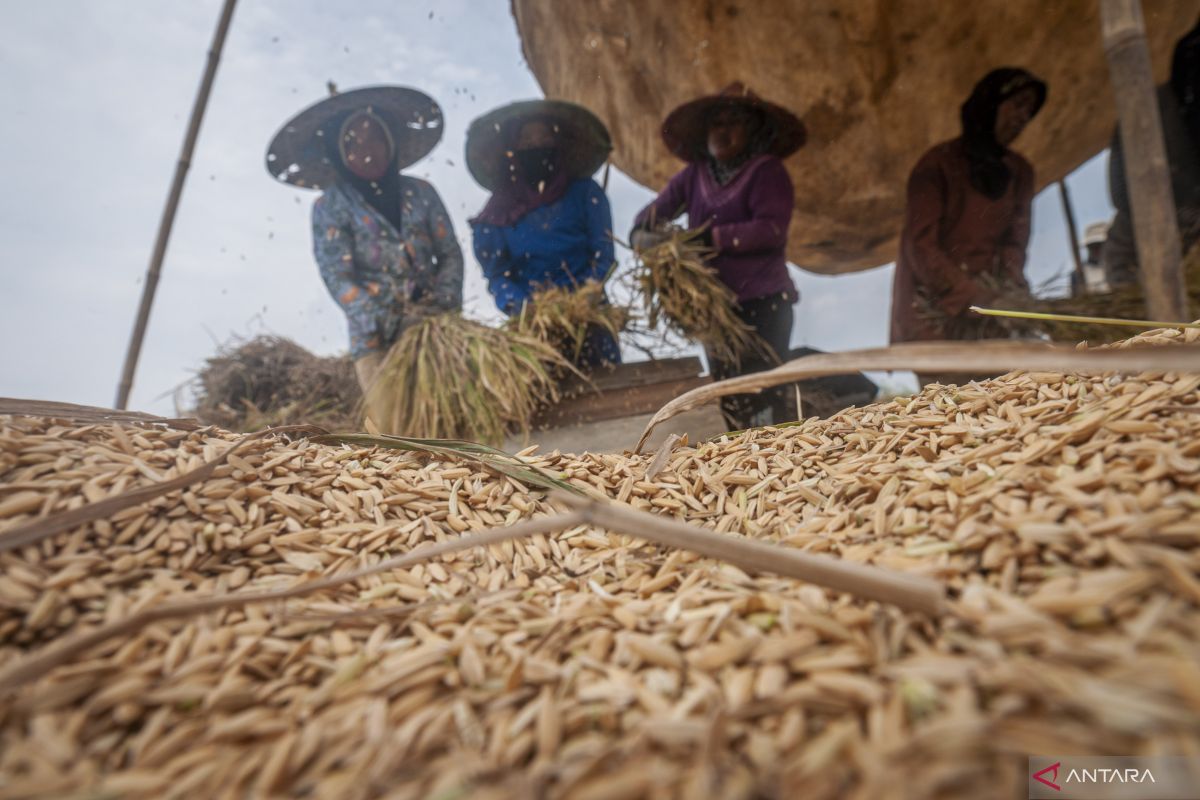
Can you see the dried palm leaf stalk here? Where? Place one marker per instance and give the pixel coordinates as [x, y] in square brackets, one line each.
[995, 356]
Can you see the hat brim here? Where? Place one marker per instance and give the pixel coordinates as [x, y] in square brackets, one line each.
[299, 153]
[685, 130]
[583, 142]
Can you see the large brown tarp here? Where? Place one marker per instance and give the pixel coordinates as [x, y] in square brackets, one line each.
[877, 81]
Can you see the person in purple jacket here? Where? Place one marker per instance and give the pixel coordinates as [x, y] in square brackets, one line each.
[547, 223]
[737, 185]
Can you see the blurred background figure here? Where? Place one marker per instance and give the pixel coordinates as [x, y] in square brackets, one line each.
[966, 224]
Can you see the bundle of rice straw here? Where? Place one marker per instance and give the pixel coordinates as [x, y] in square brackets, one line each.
[677, 285]
[447, 377]
[562, 316]
[1125, 302]
[271, 381]
[970, 327]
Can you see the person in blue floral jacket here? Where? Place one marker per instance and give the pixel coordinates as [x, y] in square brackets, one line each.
[547, 222]
[383, 241]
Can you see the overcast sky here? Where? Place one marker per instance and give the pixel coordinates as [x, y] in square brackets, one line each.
[99, 93]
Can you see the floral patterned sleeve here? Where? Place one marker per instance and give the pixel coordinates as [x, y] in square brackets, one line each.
[333, 248]
[448, 282]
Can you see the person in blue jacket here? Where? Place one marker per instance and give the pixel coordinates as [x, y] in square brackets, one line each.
[547, 222]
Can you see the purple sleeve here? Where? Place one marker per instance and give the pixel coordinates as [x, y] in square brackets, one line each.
[669, 204]
[770, 197]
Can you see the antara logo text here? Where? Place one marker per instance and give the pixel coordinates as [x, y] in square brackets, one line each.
[1049, 776]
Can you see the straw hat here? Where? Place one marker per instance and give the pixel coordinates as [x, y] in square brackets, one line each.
[582, 139]
[685, 130]
[299, 153]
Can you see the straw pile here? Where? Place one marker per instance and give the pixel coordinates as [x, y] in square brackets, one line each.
[563, 316]
[270, 380]
[447, 377]
[1062, 512]
[678, 286]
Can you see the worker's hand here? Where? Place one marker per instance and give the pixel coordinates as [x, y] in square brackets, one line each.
[1012, 297]
[706, 237]
[514, 307]
[977, 294]
[443, 305]
[646, 240]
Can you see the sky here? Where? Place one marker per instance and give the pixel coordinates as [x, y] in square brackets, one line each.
[99, 93]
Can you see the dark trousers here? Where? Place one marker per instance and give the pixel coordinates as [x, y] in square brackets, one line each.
[771, 318]
[599, 349]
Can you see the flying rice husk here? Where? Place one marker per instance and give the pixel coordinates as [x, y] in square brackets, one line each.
[561, 316]
[447, 377]
[678, 286]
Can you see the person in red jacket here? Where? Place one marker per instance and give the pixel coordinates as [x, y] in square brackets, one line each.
[966, 225]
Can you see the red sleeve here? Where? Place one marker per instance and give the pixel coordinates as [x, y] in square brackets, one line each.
[1016, 241]
[923, 217]
[770, 197]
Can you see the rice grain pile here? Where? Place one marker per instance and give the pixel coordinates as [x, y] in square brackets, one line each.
[1062, 512]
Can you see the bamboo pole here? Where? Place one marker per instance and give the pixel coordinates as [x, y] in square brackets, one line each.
[1153, 206]
[1072, 234]
[168, 215]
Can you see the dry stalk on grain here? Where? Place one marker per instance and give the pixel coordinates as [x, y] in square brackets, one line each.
[447, 377]
[905, 591]
[35, 531]
[1041, 316]
[678, 286]
[15, 407]
[998, 356]
[910, 592]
